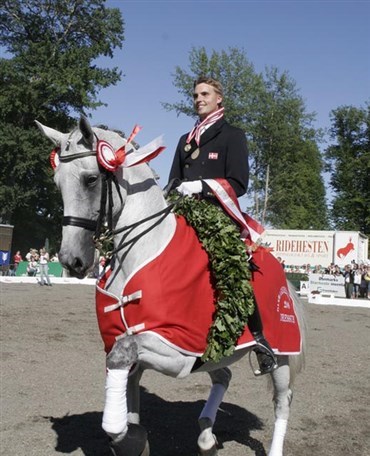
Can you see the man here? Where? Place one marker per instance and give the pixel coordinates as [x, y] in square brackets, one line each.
[215, 149]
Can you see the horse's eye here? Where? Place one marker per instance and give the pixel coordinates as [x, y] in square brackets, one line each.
[91, 180]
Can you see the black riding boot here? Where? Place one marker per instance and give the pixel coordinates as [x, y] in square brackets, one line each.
[265, 356]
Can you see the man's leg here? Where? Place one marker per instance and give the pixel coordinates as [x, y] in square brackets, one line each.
[265, 356]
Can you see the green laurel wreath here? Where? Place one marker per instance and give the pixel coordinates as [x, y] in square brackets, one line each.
[220, 238]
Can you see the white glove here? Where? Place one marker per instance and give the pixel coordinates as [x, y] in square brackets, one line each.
[190, 188]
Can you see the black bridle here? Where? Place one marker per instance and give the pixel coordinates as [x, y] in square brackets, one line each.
[103, 226]
[80, 222]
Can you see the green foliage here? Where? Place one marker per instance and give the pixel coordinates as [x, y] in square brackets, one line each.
[282, 142]
[349, 166]
[240, 82]
[50, 75]
[296, 193]
[229, 264]
[288, 145]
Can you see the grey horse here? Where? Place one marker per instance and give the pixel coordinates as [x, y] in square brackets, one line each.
[136, 200]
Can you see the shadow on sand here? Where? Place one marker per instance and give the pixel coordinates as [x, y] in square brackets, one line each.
[172, 428]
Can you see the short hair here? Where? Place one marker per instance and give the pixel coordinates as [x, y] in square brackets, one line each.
[210, 81]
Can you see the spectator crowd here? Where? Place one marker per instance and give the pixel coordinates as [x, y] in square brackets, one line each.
[356, 276]
[37, 263]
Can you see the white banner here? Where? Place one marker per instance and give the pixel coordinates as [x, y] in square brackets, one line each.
[327, 284]
[299, 247]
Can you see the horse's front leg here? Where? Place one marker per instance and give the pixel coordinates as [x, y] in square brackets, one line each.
[133, 395]
[282, 399]
[127, 439]
[207, 443]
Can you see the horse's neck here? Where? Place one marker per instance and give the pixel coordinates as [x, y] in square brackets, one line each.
[144, 199]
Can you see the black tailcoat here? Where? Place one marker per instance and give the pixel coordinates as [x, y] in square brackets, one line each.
[223, 154]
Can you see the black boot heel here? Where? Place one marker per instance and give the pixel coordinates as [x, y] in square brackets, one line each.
[265, 356]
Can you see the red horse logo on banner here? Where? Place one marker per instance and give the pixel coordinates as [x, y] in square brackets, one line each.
[344, 251]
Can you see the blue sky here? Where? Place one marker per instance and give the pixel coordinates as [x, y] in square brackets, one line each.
[324, 45]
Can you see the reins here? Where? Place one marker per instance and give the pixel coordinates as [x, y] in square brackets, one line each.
[111, 234]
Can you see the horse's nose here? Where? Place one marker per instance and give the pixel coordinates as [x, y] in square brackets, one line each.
[77, 264]
[74, 264]
[78, 269]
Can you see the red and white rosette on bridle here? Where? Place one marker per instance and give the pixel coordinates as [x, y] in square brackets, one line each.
[54, 158]
[106, 156]
[111, 159]
[127, 155]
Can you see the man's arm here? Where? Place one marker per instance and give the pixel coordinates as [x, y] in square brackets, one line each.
[176, 168]
[237, 166]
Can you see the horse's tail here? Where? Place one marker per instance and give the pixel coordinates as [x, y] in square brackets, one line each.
[297, 362]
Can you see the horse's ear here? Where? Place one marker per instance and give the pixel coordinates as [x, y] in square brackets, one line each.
[86, 130]
[50, 133]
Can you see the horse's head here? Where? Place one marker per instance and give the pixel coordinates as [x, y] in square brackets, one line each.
[79, 178]
[86, 161]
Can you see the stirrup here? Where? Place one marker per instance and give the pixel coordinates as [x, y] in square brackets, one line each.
[265, 356]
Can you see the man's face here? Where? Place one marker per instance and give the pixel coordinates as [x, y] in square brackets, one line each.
[206, 100]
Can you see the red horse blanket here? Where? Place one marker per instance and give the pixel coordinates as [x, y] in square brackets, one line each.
[172, 297]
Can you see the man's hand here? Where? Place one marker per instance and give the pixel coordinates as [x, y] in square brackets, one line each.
[190, 188]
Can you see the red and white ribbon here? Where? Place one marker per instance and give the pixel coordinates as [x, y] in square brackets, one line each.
[145, 153]
[121, 153]
[127, 155]
[227, 197]
[207, 122]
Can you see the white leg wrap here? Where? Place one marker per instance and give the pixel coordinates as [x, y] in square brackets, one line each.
[206, 439]
[278, 437]
[115, 409]
[213, 403]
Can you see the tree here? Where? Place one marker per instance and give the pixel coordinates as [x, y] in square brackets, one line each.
[50, 76]
[349, 167]
[286, 144]
[282, 143]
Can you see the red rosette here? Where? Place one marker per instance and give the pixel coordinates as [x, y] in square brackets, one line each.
[107, 157]
[54, 158]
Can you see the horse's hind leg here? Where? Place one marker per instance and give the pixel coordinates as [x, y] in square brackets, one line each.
[207, 443]
[282, 399]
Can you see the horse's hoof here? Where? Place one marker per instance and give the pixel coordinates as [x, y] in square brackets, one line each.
[211, 452]
[134, 443]
[206, 437]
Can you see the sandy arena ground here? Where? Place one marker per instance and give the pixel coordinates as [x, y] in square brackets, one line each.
[52, 386]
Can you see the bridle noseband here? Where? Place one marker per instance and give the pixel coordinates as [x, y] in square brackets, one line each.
[80, 222]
